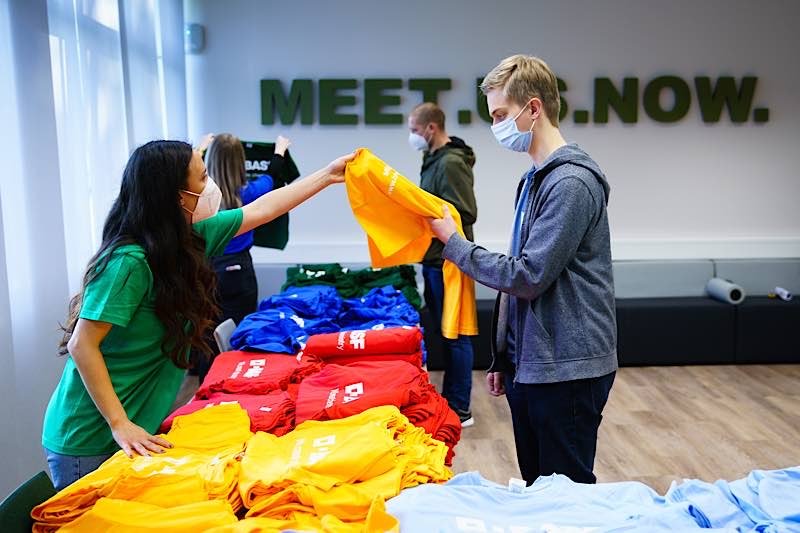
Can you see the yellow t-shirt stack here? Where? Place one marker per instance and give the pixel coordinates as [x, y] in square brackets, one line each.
[202, 465]
[393, 212]
[377, 521]
[122, 516]
[338, 471]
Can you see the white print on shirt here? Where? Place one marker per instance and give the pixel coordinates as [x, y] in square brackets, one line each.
[351, 393]
[331, 398]
[358, 339]
[340, 340]
[262, 165]
[256, 367]
[294, 459]
[387, 170]
[477, 525]
[237, 370]
[214, 404]
[146, 461]
[321, 446]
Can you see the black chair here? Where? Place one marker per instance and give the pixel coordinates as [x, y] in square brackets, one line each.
[15, 510]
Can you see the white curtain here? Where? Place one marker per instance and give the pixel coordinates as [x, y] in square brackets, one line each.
[82, 83]
[118, 82]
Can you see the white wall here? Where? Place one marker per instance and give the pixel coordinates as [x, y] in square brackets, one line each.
[683, 190]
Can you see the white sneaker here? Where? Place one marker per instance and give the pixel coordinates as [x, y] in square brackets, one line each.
[465, 417]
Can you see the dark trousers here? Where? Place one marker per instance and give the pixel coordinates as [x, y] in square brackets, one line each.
[458, 355]
[555, 426]
[237, 288]
[237, 296]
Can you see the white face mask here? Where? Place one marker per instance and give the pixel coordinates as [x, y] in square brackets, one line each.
[417, 141]
[208, 201]
[508, 135]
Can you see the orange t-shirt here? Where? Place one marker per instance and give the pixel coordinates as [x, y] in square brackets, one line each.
[393, 212]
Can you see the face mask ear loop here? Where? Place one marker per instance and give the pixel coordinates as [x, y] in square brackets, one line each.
[183, 206]
[522, 110]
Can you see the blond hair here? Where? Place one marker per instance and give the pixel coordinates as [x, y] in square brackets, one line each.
[225, 165]
[521, 78]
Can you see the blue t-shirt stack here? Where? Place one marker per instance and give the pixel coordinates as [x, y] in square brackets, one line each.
[284, 321]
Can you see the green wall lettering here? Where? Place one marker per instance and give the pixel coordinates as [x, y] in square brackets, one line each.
[375, 100]
[330, 100]
[714, 96]
[562, 87]
[430, 87]
[480, 102]
[738, 101]
[760, 115]
[626, 104]
[682, 99]
[580, 116]
[273, 98]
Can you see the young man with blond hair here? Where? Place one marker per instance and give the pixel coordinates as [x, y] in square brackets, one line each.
[554, 351]
[446, 172]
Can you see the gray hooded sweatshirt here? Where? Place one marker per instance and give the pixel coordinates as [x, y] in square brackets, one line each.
[562, 318]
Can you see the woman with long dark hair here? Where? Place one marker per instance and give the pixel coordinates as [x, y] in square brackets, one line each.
[147, 298]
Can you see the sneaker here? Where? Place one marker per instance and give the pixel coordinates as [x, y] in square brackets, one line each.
[465, 417]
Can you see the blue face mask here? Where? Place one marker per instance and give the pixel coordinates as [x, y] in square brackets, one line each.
[509, 136]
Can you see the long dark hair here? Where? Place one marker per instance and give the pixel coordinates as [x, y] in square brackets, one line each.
[147, 212]
[225, 165]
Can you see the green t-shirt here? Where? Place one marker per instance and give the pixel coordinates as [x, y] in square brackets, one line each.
[144, 378]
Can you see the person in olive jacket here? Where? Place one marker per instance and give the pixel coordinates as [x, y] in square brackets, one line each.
[447, 164]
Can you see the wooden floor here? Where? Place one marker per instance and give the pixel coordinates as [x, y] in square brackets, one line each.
[660, 424]
[663, 424]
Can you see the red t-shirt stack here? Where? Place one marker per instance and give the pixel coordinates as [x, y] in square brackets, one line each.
[401, 343]
[254, 373]
[339, 391]
[272, 412]
[430, 411]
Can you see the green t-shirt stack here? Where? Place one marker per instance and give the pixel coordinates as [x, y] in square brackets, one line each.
[355, 283]
[144, 378]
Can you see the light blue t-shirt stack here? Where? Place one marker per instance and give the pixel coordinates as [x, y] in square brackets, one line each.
[765, 501]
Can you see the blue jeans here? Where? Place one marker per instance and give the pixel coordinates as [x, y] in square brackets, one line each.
[458, 355]
[555, 425]
[66, 469]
